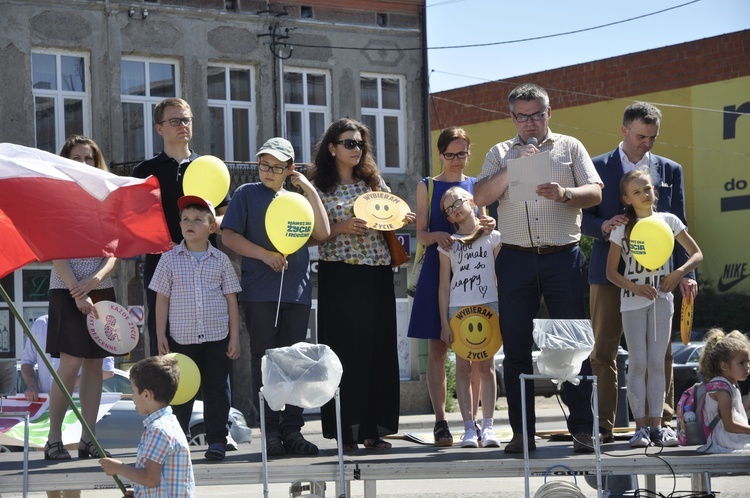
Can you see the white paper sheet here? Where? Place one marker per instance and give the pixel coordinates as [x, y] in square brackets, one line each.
[525, 173]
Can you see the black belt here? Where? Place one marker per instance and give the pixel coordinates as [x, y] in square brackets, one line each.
[540, 249]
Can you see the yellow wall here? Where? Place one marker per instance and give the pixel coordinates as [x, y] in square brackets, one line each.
[691, 134]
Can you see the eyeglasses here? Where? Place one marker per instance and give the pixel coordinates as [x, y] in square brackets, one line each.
[350, 144]
[277, 170]
[460, 155]
[537, 116]
[175, 122]
[456, 204]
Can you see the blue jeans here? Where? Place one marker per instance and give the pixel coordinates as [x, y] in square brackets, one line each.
[213, 363]
[523, 279]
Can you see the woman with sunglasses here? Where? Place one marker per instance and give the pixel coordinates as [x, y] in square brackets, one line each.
[433, 231]
[356, 300]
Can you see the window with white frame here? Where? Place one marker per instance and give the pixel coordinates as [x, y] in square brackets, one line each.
[382, 108]
[143, 84]
[60, 85]
[306, 110]
[231, 108]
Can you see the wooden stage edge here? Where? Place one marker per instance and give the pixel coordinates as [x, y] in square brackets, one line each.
[404, 461]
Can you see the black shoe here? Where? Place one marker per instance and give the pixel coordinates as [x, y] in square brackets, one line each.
[607, 436]
[55, 451]
[516, 444]
[583, 443]
[89, 450]
[274, 445]
[215, 452]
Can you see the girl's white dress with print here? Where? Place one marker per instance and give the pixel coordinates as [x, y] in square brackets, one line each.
[721, 441]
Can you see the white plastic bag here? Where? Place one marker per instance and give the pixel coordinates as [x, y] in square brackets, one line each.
[304, 375]
[565, 344]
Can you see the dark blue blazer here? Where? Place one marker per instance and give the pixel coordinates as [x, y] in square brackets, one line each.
[667, 179]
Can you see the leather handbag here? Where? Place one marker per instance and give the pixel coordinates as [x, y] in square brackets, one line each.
[416, 269]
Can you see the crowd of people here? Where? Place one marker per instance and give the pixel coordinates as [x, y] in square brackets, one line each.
[530, 253]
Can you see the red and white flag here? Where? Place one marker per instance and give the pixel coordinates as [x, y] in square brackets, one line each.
[55, 208]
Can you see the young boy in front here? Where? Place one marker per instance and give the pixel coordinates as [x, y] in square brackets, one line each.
[243, 230]
[162, 466]
[197, 288]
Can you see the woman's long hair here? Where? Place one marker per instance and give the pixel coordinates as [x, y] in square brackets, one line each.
[324, 174]
[629, 209]
[74, 140]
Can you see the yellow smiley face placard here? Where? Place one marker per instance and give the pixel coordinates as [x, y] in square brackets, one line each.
[686, 323]
[381, 210]
[476, 333]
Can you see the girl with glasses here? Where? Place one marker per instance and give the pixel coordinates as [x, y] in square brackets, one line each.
[433, 231]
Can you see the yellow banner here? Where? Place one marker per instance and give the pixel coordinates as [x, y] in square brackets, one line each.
[721, 186]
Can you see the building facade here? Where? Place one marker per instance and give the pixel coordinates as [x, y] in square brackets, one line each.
[250, 70]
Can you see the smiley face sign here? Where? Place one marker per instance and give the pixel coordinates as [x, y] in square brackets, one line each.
[476, 333]
[381, 210]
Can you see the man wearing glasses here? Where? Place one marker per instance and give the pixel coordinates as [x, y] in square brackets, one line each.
[540, 255]
[173, 119]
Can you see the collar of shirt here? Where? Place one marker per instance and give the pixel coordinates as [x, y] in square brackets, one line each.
[181, 248]
[628, 166]
[161, 412]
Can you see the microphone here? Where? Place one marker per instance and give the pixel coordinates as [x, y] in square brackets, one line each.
[532, 141]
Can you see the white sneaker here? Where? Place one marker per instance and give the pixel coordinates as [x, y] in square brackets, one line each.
[668, 437]
[470, 439]
[641, 439]
[489, 439]
[231, 443]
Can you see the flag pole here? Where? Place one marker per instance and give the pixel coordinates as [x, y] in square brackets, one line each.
[43, 356]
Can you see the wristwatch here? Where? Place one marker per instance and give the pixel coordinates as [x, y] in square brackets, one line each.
[568, 195]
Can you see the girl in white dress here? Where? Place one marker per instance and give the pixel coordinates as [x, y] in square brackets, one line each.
[726, 357]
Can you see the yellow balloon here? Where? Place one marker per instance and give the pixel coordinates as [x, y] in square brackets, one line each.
[651, 242]
[289, 222]
[207, 177]
[190, 379]
[476, 333]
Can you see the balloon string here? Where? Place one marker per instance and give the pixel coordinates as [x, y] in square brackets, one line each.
[278, 304]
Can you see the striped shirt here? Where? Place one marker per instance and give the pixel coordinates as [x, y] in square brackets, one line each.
[542, 222]
[198, 309]
[163, 442]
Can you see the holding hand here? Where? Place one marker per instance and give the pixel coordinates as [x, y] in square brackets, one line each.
[110, 466]
[688, 286]
[647, 291]
[85, 305]
[81, 289]
[444, 240]
[276, 261]
[616, 221]
[552, 191]
[487, 223]
[354, 226]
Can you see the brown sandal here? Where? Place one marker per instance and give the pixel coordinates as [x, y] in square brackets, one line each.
[377, 444]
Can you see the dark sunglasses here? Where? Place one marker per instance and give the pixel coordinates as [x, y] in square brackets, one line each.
[350, 144]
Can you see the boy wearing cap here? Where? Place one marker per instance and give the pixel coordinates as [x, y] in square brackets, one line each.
[243, 230]
[197, 288]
